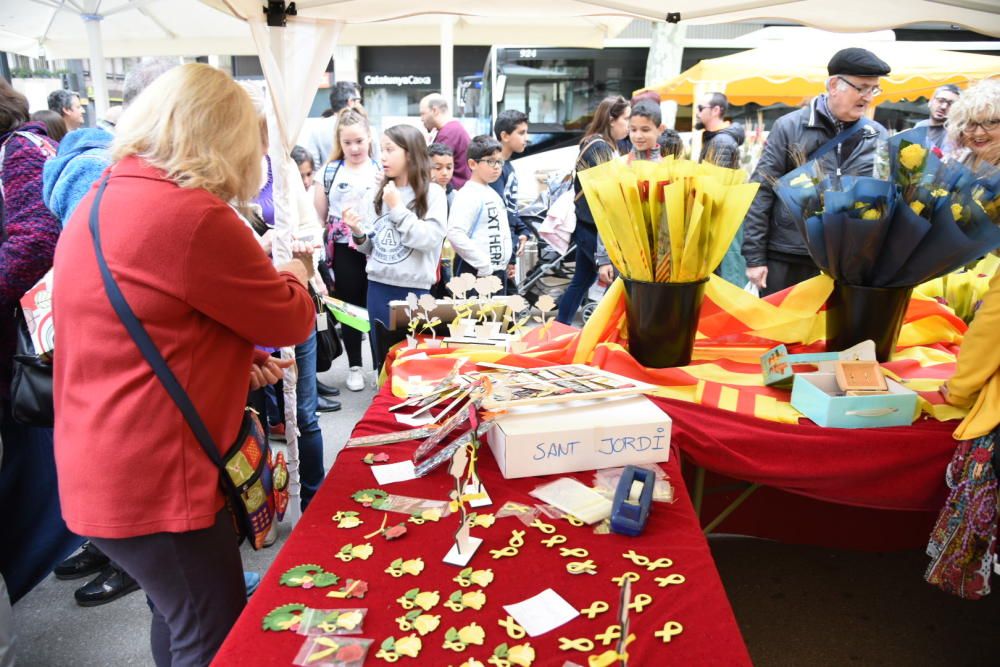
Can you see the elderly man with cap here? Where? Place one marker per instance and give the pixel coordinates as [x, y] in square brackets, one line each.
[832, 129]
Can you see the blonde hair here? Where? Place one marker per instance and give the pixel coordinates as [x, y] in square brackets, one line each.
[198, 126]
[980, 102]
[345, 118]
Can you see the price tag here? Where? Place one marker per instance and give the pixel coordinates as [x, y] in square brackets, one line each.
[321, 322]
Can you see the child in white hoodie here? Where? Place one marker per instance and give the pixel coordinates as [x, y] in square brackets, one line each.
[477, 224]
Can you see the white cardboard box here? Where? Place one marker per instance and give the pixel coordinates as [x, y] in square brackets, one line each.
[580, 435]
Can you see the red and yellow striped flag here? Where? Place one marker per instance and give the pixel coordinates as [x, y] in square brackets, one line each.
[734, 330]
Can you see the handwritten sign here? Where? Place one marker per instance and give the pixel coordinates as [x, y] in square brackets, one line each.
[543, 440]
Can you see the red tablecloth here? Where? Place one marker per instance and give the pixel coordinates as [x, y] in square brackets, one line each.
[710, 635]
[887, 484]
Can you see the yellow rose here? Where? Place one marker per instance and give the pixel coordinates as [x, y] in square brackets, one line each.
[917, 207]
[474, 600]
[427, 599]
[426, 623]
[870, 214]
[482, 577]
[409, 645]
[350, 620]
[349, 522]
[472, 662]
[484, 520]
[414, 566]
[472, 634]
[912, 157]
[522, 655]
[363, 551]
[956, 211]
[431, 515]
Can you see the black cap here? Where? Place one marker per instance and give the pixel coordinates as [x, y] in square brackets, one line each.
[857, 62]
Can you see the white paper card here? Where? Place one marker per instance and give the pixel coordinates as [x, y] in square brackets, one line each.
[414, 422]
[394, 472]
[575, 498]
[468, 551]
[546, 611]
[475, 489]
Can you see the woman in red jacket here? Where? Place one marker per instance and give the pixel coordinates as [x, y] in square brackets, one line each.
[132, 476]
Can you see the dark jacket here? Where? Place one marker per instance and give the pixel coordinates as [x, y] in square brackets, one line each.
[769, 227]
[722, 147]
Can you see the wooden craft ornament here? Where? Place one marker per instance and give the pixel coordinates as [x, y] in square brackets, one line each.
[578, 552]
[858, 378]
[546, 528]
[670, 579]
[582, 567]
[554, 540]
[640, 602]
[670, 630]
[582, 644]
[598, 607]
[514, 631]
[612, 633]
[353, 588]
[627, 576]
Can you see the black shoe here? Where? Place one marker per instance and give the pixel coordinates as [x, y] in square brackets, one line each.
[87, 562]
[325, 404]
[326, 390]
[111, 584]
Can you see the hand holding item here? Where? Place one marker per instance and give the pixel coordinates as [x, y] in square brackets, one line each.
[268, 373]
[606, 274]
[521, 241]
[757, 275]
[391, 196]
[353, 221]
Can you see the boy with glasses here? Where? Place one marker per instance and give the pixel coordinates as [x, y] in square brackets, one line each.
[477, 224]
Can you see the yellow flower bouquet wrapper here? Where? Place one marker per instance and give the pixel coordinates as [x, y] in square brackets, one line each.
[666, 227]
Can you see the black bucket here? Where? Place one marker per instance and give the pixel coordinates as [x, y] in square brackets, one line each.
[662, 321]
[855, 314]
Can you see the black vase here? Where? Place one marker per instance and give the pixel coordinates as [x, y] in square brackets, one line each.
[662, 321]
[855, 314]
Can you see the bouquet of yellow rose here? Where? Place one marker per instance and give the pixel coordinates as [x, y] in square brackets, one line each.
[668, 221]
[929, 218]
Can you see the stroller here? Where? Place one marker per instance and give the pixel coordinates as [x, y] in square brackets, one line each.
[542, 269]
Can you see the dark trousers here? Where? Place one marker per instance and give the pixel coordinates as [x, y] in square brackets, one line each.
[194, 586]
[585, 238]
[783, 271]
[351, 285]
[379, 296]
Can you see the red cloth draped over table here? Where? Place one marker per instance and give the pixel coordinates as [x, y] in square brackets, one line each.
[710, 636]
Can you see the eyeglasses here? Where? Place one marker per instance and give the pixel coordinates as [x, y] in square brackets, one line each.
[864, 91]
[987, 125]
[702, 107]
[493, 162]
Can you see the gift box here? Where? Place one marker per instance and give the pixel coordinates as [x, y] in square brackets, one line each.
[818, 397]
[579, 435]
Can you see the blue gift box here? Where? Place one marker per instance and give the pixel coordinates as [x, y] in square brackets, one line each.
[817, 396]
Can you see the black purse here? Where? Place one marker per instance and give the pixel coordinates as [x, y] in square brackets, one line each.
[31, 383]
[328, 345]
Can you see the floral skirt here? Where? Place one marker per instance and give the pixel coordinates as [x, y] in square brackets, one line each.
[962, 544]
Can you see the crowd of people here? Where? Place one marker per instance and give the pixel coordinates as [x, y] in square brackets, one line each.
[187, 223]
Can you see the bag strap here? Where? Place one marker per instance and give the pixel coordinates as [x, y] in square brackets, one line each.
[841, 137]
[143, 341]
[329, 178]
